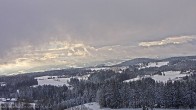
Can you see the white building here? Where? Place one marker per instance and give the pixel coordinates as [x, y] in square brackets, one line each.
[2, 84]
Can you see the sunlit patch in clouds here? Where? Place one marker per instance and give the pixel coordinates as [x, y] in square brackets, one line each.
[54, 53]
[169, 40]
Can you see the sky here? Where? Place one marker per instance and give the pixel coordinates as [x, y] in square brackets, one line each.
[40, 35]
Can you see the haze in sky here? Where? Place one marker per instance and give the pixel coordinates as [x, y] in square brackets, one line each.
[48, 34]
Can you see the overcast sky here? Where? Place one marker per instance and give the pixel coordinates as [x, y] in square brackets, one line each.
[45, 34]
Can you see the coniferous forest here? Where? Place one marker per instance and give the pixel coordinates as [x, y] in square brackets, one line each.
[110, 92]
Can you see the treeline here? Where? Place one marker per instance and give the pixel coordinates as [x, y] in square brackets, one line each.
[146, 92]
[13, 83]
[105, 87]
[116, 94]
[149, 93]
[25, 81]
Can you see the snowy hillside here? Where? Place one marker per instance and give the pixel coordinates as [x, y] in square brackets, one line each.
[98, 68]
[134, 79]
[168, 75]
[52, 80]
[136, 61]
[96, 106]
[57, 81]
[157, 64]
[152, 64]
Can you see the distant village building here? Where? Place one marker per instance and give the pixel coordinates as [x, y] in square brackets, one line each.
[13, 103]
[2, 84]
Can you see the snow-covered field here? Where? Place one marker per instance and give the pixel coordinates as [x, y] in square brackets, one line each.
[158, 64]
[52, 80]
[11, 104]
[134, 79]
[115, 69]
[154, 64]
[99, 68]
[95, 106]
[55, 81]
[168, 75]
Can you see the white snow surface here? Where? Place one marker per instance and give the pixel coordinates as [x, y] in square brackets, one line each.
[134, 79]
[158, 64]
[154, 64]
[96, 106]
[168, 75]
[55, 81]
[99, 68]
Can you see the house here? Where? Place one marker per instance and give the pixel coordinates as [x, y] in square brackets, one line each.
[2, 84]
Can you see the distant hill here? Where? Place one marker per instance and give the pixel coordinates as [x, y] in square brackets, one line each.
[136, 61]
[180, 58]
[147, 60]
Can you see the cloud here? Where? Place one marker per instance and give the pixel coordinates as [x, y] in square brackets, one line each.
[98, 23]
[43, 35]
[59, 54]
[170, 40]
[52, 53]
